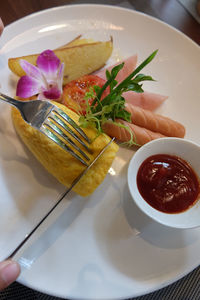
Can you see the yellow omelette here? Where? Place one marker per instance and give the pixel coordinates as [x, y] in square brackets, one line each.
[60, 163]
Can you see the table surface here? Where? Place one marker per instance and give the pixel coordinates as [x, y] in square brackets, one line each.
[169, 11]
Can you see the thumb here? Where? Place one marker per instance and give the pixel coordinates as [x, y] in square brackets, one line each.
[9, 271]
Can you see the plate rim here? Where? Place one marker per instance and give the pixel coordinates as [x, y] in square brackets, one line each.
[117, 7]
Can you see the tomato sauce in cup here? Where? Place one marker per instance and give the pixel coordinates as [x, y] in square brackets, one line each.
[168, 183]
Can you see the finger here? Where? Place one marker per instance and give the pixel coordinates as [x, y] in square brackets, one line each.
[1, 26]
[9, 271]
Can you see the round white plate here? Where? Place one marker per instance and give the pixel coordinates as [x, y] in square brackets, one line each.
[100, 247]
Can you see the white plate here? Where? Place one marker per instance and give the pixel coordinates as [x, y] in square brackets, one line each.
[101, 247]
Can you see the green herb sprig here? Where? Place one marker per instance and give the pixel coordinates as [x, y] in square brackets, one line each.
[112, 106]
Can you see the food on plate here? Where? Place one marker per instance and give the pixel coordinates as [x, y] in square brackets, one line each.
[96, 102]
[44, 80]
[128, 67]
[106, 107]
[77, 41]
[154, 122]
[125, 132]
[108, 103]
[60, 163]
[168, 183]
[145, 126]
[75, 91]
[146, 100]
[79, 59]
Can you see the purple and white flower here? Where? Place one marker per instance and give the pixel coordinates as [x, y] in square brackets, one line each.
[44, 80]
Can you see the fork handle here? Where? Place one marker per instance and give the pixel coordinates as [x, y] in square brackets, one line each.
[11, 101]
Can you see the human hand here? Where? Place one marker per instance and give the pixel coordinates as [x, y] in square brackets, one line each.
[1, 26]
[9, 271]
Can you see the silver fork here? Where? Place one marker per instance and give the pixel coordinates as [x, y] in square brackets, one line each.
[49, 119]
[44, 116]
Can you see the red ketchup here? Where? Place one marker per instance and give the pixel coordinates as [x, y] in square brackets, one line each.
[168, 183]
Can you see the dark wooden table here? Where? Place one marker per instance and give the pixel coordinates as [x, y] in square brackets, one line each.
[170, 11]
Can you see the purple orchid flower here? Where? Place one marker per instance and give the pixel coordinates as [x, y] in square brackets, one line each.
[45, 79]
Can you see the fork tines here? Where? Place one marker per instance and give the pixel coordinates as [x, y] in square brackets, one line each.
[56, 128]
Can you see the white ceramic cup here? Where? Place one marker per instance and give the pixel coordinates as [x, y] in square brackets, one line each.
[185, 149]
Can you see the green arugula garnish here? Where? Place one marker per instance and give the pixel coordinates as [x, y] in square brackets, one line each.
[112, 106]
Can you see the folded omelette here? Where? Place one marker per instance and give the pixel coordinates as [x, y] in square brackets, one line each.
[60, 163]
